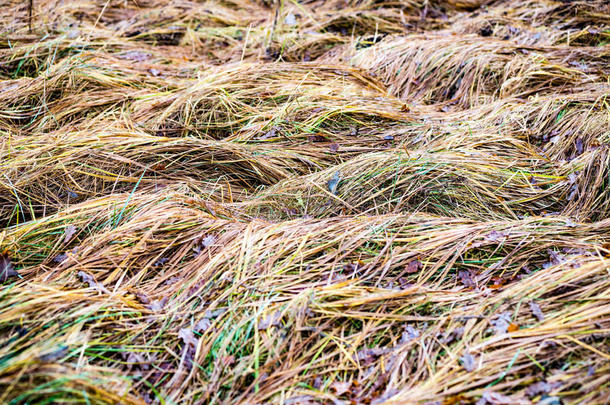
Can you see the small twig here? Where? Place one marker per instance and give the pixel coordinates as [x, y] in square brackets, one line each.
[31, 5]
[275, 18]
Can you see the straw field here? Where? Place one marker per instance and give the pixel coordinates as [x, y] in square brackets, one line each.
[305, 202]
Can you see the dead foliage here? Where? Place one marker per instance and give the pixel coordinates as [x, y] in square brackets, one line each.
[295, 202]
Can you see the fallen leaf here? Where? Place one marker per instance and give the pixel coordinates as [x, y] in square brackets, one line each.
[54, 355]
[188, 337]
[205, 242]
[501, 323]
[512, 327]
[404, 283]
[269, 134]
[7, 270]
[87, 278]
[555, 259]
[409, 334]
[413, 266]
[157, 305]
[208, 241]
[317, 138]
[541, 387]
[228, 360]
[290, 19]
[270, 320]
[136, 56]
[147, 397]
[215, 313]
[466, 278]
[73, 34]
[60, 258]
[455, 334]
[136, 359]
[301, 400]
[536, 311]
[366, 357]
[497, 282]
[573, 177]
[143, 298]
[69, 233]
[495, 236]
[458, 399]
[468, 362]
[340, 388]
[549, 401]
[333, 183]
[495, 398]
[579, 146]
[159, 167]
[203, 325]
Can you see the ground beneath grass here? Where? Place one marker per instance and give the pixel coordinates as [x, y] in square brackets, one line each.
[299, 202]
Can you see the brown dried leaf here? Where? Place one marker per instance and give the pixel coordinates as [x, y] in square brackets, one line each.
[143, 298]
[541, 387]
[409, 334]
[366, 357]
[333, 183]
[228, 360]
[413, 266]
[214, 313]
[455, 334]
[136, 56]
[536, 311]
[465, 277]
[579, 146]
[495, 398]
[269, 134]
[468, 362]
[157, 305]
[270, 320]
[340, 387]
[495, 236]
[88, 278]
[56, 354]
[69, 233]
[203, 325]
[208, 241]
[317, 138]
[501, 323]
[188, 337]
[555, 259]
[136, 359]
[7, 270]
[497, 282]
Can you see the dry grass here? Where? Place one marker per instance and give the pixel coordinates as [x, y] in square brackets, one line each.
[298, 202]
